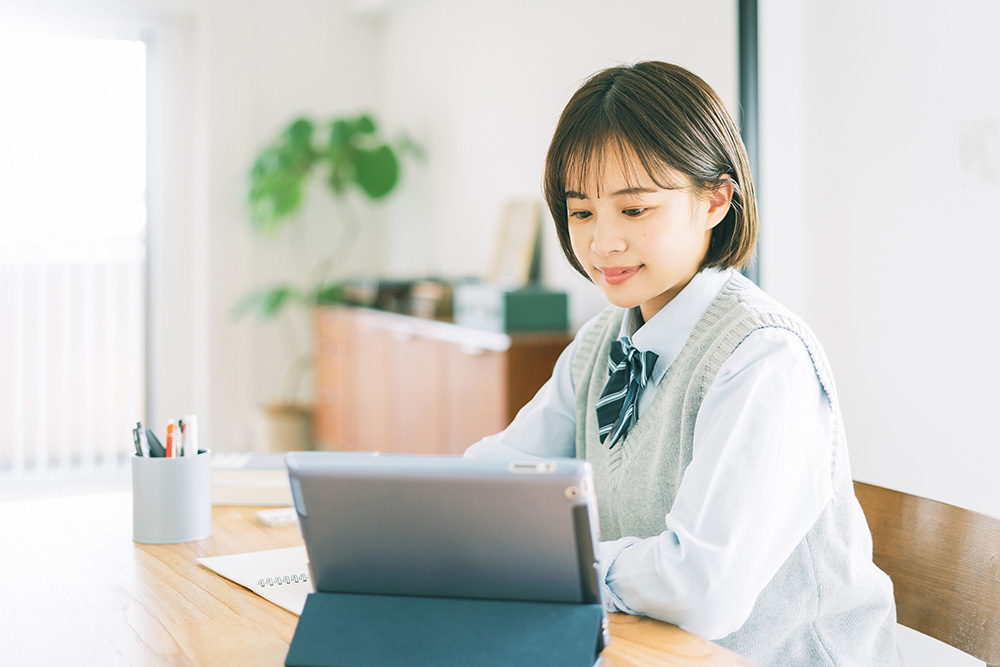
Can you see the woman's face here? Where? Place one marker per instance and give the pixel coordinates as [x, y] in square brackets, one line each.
[641, 244]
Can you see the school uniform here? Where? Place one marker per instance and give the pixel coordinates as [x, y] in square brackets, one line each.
[728, 508]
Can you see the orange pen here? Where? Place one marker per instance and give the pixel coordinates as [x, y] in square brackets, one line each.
[171, 439]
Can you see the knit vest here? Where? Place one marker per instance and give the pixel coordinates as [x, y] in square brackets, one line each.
[828, 604]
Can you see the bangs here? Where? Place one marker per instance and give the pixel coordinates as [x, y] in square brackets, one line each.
[585, 162]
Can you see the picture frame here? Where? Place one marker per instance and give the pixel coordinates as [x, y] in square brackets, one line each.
[516, 258]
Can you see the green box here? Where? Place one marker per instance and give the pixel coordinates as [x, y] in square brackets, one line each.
[506, 310]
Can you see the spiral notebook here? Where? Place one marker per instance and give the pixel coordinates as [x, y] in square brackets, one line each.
[280, 576]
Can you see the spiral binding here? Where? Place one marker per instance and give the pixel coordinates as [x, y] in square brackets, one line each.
[281, 581]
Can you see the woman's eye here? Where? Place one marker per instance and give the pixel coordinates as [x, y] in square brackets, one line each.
[634, 212]
[579, 215]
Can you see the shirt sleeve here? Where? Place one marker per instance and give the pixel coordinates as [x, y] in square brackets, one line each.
[759, 478]
[546, 425]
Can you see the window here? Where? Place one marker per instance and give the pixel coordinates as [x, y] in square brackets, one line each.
[72, 252]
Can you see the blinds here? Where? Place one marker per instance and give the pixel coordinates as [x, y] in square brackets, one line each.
[71, 355]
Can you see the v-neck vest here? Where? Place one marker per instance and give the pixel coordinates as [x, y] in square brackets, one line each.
[828, 599]
[645, 469]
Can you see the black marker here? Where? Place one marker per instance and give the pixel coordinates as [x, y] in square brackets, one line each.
[155, 448]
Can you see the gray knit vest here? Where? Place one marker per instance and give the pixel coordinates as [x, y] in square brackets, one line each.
[828, 604]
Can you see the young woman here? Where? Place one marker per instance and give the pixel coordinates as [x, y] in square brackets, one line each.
[707, 410]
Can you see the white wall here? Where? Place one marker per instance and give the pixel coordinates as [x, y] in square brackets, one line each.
[263, 64]
[879, 181]
[482, 86]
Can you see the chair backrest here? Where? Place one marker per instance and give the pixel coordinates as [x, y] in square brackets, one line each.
[944, 562]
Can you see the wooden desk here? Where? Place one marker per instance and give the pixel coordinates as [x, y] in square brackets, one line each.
[75, 590]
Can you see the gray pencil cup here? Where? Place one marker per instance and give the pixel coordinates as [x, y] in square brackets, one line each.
[172, 498]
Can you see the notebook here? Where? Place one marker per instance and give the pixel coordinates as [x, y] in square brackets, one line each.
[455, 545]
[248, 478]
[280, 576]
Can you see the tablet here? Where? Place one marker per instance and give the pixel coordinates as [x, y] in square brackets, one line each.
[447, 526]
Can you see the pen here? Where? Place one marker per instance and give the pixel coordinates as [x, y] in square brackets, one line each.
[136, 440]
[179, 437]
[143, 441]
[171, 440]
[189, 427]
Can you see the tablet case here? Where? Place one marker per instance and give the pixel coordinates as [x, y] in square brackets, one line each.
[362, 630]
[379, 602]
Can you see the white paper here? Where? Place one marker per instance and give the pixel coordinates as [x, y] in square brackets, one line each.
[278, 575]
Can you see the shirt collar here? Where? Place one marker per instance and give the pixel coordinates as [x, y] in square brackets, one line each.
[670, 328]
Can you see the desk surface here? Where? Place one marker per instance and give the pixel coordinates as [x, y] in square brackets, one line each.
[75, 590]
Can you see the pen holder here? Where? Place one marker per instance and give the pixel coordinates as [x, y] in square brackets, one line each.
[171, 498]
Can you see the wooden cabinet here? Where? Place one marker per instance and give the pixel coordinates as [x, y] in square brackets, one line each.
[394, 383]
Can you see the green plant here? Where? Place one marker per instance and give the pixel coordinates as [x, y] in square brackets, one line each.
[353, 157]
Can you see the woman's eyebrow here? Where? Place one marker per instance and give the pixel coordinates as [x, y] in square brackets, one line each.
[573, 194]
[633, 191]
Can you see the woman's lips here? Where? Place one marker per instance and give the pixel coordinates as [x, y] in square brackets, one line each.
[616, 275]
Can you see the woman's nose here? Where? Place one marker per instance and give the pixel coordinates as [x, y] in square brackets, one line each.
[607, 239]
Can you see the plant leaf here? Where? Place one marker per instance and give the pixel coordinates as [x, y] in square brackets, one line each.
[299, 135]
[266, 302]
[278, 176]
[376, 171]
[341, 132]
[274, 198]
[327, 294]
[275, 298]
[364, 124]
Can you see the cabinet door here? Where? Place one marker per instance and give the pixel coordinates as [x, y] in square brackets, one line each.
[336, 399]
[477, 388]
[374, 379]
[530, 361]
[420, 398]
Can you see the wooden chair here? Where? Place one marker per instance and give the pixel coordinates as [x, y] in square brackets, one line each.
[944, 562]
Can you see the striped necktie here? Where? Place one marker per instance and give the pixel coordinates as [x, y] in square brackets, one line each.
[617, 409]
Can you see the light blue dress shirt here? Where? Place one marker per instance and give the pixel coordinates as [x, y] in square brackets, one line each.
[758, 479]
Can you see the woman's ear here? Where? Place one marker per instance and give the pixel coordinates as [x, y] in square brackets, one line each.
[719, 202]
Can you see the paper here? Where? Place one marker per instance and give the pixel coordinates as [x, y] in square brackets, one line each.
[280, 576]
[278, 516]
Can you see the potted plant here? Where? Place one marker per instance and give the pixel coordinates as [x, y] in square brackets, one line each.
[351, 157]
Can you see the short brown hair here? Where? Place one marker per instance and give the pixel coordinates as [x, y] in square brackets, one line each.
[671, 119]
